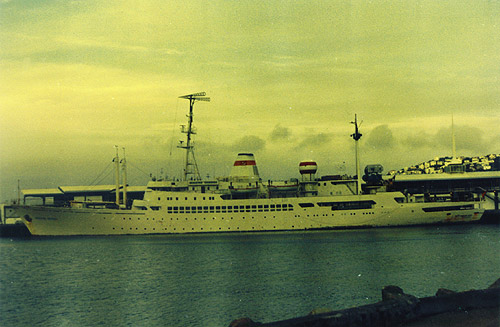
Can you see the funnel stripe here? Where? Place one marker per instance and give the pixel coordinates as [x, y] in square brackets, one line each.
[307, 163]
[244, 163]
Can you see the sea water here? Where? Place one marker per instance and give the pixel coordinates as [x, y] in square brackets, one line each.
[211, 279]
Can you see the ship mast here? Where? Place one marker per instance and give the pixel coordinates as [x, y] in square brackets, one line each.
[116, 160]
[453, 145]
[124, 176]
[356, 136]
[191, 168]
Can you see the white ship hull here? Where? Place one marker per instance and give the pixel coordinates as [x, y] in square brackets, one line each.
[181, 213]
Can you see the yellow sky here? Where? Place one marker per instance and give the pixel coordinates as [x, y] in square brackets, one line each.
[285, 78]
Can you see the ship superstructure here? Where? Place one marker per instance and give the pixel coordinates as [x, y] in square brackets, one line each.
[242, 202]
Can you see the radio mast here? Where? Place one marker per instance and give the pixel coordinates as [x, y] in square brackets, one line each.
[356, 136]
[191, 168]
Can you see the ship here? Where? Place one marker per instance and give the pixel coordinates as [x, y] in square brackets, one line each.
[10, 224]
[243, 202]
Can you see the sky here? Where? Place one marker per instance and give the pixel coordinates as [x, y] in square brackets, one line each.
[285, 80]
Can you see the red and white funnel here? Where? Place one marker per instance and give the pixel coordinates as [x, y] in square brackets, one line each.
[245, 166]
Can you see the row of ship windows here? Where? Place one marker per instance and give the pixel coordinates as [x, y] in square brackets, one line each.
[342, 214]
[229, 209]
[204, 218]
[171, 198]
[193, 229]
[265, 217]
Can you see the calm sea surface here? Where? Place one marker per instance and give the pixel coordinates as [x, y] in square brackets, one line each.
[209, 280]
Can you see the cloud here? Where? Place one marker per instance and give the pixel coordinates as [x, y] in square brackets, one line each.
[280, 133]
[468, 140]
[380, 138]
[249, 143]
[417, 140]
[317, 140]
[91, 74]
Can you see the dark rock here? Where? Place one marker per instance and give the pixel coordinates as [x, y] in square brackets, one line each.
[396, 309]
[392, 292]
[444, 291]
[496, 284]
[244, 322]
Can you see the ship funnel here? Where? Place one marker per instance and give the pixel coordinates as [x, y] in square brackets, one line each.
[245, 167]
[308, 169]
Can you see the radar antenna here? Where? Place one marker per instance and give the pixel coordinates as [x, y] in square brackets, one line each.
[191, 168]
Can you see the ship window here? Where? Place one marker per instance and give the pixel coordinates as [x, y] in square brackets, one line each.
[175, 199]
[185, 198]
[306, 205]
[156, 208]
